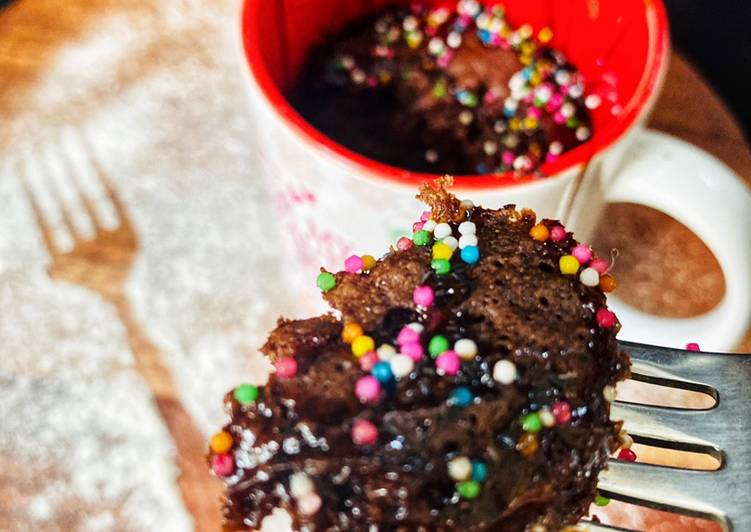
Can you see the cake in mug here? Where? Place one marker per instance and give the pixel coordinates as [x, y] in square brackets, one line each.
[463, 383]
[442, 90]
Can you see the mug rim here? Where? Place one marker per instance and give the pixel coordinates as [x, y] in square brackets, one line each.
[647, 90]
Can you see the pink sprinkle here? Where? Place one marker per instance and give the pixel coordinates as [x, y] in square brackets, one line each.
[372, 81]
[583, 253]
[557, 233]
[223, 465]
[408, 335]
[364, 432]
[605, 318]
[490, 96]
[555, 101]
[368, 360]
[561, 412]
[508, 158]
[444, 60]
[559, 118]
[403, 244]
[425, 216]
[601, 266]
[692, 346]
[309, 504]
[551, 158]
[413, 350]
[286, 367]
[417, 226]
[423, 296]
[353, 264]
[448, 363]
[534, 112]
[367, 388]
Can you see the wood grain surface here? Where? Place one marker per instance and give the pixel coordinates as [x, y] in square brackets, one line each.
[683, 278]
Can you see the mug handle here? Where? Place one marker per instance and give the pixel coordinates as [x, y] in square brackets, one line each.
[706, 196]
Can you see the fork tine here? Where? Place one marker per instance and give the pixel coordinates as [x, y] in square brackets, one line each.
[44, 229]
[672, 428]
[688, 492]
[105, 181]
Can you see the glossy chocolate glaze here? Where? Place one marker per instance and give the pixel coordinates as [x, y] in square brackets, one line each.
[516, 305]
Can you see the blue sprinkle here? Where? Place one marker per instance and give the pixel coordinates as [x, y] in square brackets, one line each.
[461, 396]
[527, 73]
[485, 36]
[382, 372]
[479, 471]
[481, 168]
[471, 254]
[508, 112]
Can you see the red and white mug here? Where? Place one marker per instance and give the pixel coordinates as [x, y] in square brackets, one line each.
[332, 202]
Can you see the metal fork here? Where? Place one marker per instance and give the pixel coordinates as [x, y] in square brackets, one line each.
[722, 431]
[98, 256]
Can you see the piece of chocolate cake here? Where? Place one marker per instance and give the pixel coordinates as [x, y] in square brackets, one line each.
[466, 386]
[446, 91]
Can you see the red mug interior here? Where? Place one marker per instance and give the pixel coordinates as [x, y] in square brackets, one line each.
[621, 47]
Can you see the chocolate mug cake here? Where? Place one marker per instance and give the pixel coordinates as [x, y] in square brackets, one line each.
[446, 91]
[464, 384]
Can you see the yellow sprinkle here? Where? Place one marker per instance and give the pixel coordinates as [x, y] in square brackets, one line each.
[568, 265]
[368, 262]
[513, 124]
[526, 31]
[364, 344]
[221, 442]
[545, 35]
[441, 251]
[530, 123]
[535, 79]
[506, 32]
[528, 48]
[525, 60]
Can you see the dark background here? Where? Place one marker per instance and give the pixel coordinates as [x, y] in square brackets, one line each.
[716, 36]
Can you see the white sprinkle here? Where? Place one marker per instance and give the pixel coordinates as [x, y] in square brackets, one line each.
[386, 352]
[499, 126]
[429, 226]
[555, 147]
[358, 76]
[465, 117]
[546, 417]
[467, 228]
[435, 46]
[562, 77]
[504, 371]
[511, 141]
[300, 485]
[465, 348]
[309, 504]
[522, 163]
[467, 240]
[451, 242]
[575, 91]
[568, 109]
[460, 468]
[417, 327]
[410, 23]
[582, 133]
[490, 147]
[401, 365]
[589, 277]
[467, 204]
[609, 393]
[431, 156]
[592, 101]
[454, 39]
[441, 231]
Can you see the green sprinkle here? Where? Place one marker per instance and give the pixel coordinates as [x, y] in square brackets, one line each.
[326, 281]
[441, 266]
[469, 489]
[246, 394]
[421, 237]
[531, 423]
[572, 122]
[439, 89]
[601, 501]
[438, 344]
